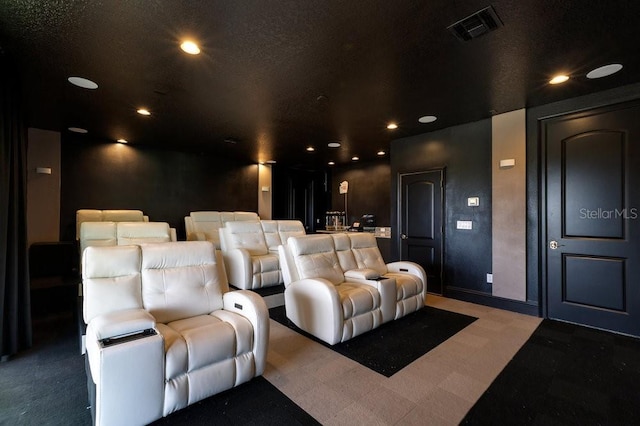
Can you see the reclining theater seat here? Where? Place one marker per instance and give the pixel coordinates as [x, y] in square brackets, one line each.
[249, 263]
[277, 232]
[164, 331]
[205, 225]
[359, 250]
[124, 233]
[322, 301]
[94, 215]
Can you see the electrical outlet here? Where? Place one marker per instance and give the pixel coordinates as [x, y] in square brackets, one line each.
[489, 278]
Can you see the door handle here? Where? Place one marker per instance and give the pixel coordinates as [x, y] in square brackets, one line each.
[403, 236]
[553, 245]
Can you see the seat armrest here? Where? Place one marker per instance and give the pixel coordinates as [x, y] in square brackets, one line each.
[239, 269]
[122, 323]
[388, 294]
[314, 306]
[251, 306]
[129, 375]
[409, 268]
[362, 274]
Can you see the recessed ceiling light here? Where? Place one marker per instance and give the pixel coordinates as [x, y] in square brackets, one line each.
[190, 47]
[85, 83]
[604, 71]
[355, 158]
[143, 111]
[392, 126]
[427, 119]
[559, 79]
[381, 152]
[122, 140]
[271, 161]
[331, 163]
[78, 130]
[310, 149]
[333, 144]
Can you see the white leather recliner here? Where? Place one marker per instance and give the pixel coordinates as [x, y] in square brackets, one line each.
[326, 302]
[110, 233]
[205, 225]
[249, 263]
[359, 250]
[164, 331]
[94, 215]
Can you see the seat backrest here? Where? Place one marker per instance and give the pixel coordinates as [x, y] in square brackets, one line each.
[143, 232]
[123, 215]
[181, 279]
[314, 256]
[243, 216]
[342, 243]
[206, 222]
[366, 252]
[94, 215]
[97, 234]
[246, 235]
[86, 215]
[277, 232]
[271, 234]
[290, 228]
[110, 280]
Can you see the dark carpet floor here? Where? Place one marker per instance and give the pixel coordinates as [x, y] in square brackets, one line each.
[566, 375]
[394, 345]
[46, 385]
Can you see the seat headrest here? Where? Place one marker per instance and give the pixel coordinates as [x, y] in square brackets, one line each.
[112, 261]
[177, 254]
[341, 241]
[310, 244]
[144, 230]
[123, 215]
[244, 227]
[290, 225]
[205, 216]
[362, 240]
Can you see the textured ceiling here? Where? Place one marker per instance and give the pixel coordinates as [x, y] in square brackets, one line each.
[278, 76]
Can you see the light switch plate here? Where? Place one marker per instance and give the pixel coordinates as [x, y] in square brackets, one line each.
[489, 278]
[464, 224]
[473, 201]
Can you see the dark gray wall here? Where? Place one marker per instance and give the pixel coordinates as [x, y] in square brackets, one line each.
[368, 191]
[166, 185]
[465, 153]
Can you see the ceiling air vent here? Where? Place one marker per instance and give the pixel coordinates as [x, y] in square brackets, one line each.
[476, 25]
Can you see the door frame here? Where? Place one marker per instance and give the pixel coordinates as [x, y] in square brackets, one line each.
[396, 235]
[543, 234]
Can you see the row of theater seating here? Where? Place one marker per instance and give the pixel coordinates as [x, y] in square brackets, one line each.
[249, 244]
[165, 331]
[338, 286]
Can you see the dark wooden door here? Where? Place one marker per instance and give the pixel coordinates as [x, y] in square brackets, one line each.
[592, 232]
[421, 239]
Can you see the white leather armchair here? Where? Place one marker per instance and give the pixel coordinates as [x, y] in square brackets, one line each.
[359, 250]
[249, 263]
[322, 301]
[164, 331]
[205, 225]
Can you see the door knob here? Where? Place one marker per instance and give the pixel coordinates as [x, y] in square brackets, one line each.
[553, 245]
[403, 236]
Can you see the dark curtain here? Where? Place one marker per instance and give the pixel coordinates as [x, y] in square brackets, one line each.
[15, 319]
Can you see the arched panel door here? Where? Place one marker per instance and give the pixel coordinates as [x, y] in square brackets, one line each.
[420, 204]
[593, 229]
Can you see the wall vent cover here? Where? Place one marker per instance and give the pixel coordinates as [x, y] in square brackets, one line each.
[476, 25]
